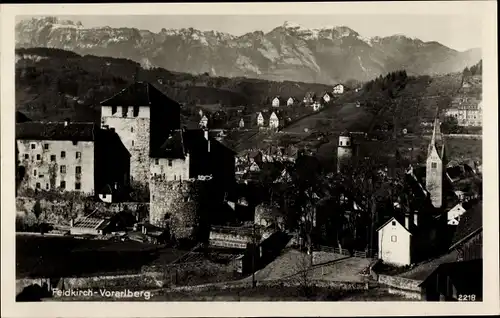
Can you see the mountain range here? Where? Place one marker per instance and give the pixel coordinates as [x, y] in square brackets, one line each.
[288, 52]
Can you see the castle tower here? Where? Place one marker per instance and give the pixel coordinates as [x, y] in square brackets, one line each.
[344, 151]
[435, 166]
[143, 117]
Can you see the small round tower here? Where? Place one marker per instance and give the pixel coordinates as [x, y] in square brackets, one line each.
[344, 150]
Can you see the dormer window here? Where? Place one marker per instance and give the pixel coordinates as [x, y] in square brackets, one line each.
[434, 165]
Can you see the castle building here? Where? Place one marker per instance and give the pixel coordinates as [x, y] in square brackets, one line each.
[188, 166]
[143, 118]
[344, 151]
[435, 172]
[65, 156]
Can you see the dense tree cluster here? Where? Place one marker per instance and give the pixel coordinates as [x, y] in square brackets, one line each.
[476, 69]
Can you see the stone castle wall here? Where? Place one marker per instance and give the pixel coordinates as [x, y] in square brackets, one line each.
[134, 133]
[176, 204]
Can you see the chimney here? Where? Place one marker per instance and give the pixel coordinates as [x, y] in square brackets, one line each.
[407, 221]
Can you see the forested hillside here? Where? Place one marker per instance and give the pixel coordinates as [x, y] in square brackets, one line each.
[53, 84]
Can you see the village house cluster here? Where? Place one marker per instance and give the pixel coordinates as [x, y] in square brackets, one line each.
[454, 208]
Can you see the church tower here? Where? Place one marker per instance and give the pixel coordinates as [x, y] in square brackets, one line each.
[435, 166]
[344, 151]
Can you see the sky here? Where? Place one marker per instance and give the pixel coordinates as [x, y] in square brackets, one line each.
[455, 31]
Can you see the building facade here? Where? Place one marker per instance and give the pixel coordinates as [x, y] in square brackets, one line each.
[276, 102]
[394, 243]
[143, 117]
[65, 156]
[467, 113]
[338, 89]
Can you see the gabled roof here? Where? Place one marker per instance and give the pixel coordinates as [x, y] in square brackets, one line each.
[31, 130]
[327, 93]
[393, 219]
[470, 223]
[137, 94]
[21, 118]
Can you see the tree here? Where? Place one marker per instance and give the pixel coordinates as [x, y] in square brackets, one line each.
[303, 267]
[37, 210]
[450, 125]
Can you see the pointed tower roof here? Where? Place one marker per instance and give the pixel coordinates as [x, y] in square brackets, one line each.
[437, 140]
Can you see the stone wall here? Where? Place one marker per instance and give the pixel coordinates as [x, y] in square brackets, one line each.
[401, 286]
[175, 204]
[60, 211]
[134, 133]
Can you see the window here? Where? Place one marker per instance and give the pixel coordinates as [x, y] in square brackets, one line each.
[78, 170]
[33, 146]
[26, 156]
[78, 186]
[394, 238]
[46, 146]
[132, 143]
[170, 162]
[63, 169]
[38, 157]
[34, 172]
[78, 155]
[175, 177]
[434, 165]
[347, 143]
[63, 154]
[131, 129]
[52, 158]
[393, 223]
[38, 185]
[40, 176]
[63, 184]
[157, 161]
[46, 186]
[104, 196]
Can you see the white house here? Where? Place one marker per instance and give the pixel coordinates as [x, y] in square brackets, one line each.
[254, 167]
[338, 89]
[316, 106]
[204, 122]
[260, 119]
[394, 243]
[274, 121]
[290, 101]
[454, 214]
[276, 102]
[106, 194]
[327, 97]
